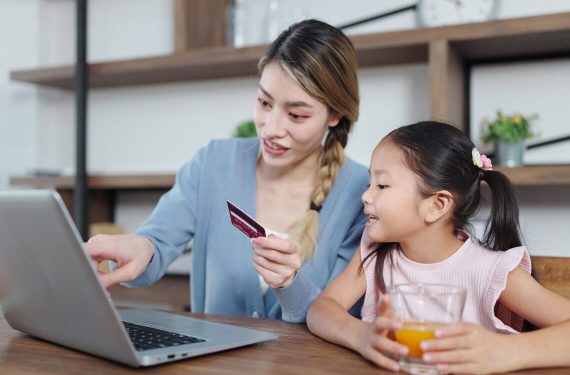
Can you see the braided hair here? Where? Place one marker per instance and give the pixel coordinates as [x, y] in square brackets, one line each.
[322, 61]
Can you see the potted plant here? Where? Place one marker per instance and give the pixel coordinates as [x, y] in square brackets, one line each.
[245, 129]
[508, 133]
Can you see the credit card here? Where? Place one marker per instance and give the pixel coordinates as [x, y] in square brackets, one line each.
[244, 222]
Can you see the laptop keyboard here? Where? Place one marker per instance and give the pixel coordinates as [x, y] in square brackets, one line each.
[147, 338]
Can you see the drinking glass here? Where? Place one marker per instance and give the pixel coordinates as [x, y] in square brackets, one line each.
[422, 308]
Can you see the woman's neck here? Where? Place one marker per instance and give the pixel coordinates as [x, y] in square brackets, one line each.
[300, 173]
[283, 195]
[431, 246]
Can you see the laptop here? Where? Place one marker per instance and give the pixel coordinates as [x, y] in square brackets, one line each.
[49, 289]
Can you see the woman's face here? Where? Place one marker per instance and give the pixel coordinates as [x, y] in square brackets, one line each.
[290, 123]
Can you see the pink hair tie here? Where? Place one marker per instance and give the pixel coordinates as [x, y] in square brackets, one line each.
[481, 161]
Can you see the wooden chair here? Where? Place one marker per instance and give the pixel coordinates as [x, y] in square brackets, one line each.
[553, 273]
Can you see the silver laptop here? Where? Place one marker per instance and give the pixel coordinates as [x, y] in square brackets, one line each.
[49, 289]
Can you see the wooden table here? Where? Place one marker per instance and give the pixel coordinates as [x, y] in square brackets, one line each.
[295, 352]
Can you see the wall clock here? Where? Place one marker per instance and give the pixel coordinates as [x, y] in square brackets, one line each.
[451, 12]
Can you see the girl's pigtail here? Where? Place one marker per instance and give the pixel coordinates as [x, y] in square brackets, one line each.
[502, 229]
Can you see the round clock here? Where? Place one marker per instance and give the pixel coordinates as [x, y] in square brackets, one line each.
[451, 12]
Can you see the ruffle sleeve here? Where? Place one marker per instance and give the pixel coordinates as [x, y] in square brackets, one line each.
[504, 320]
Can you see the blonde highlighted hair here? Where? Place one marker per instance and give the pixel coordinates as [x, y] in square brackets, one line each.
[322, 61]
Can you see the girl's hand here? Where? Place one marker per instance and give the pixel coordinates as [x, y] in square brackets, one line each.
[378, 342]
[276, 260]
[132, 255]
[469, 348]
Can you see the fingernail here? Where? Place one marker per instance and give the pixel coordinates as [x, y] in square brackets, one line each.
[442, 367]
[427, 357]
[256, 241]
[424, 345]
[404, 351]
[438, 333]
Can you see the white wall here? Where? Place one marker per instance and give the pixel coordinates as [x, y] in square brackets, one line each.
[536, 87]
[156, 128]
[18, 102]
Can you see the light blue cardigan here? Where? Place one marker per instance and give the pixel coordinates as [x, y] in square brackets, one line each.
[223, 280]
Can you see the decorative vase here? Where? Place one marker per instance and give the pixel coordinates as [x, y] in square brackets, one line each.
[510, 154]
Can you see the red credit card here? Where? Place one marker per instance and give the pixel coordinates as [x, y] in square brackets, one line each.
[244, 222]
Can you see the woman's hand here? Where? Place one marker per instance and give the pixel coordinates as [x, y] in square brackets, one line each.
[276, 260]
[378, 342]
[469, 348]
[132, 255]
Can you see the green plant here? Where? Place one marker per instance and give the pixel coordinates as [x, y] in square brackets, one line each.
[245, 129]
[512, 129]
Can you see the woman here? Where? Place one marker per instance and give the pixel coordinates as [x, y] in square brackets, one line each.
[287, 178]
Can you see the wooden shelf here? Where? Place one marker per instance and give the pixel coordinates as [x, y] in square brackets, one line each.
[206, 63]
[538, 175]
[98, 182]
[536, 36]
[532, 175]
[102, 189]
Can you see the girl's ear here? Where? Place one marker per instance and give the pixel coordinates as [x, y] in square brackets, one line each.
[439, 205]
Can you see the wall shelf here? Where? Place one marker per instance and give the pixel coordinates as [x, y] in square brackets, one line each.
[98, 182]
[102, 189]
[531, 175]
[504, 39]
[538, 175]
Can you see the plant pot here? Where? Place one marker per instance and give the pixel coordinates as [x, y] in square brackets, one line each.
[510, 154]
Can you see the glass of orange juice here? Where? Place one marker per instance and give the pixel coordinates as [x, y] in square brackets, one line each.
[422, 308]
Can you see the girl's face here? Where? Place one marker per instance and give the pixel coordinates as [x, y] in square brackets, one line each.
[290, 123]
[392, 202]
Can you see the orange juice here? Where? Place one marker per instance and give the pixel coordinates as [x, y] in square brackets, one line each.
[412, 334]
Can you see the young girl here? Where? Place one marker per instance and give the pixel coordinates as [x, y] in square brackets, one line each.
[425, 185]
